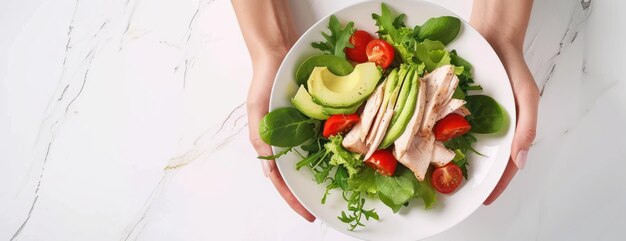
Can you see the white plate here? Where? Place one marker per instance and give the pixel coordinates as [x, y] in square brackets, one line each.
[413, 222]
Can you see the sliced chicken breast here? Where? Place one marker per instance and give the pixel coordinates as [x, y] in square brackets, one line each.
[451, 107]
[380, 134]
[352, 142]
[370, 110]
[418, 156]
[441, 154]
[462, 111]
[439, 85]
[401, 145]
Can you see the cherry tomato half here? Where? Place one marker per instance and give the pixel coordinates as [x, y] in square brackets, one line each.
[359, 39]
[451, 126]
[339, 124]
[383, 162]
[380, 52]
[447, 178]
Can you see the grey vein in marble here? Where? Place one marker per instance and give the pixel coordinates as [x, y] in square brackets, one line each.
[54, 115]
[577, 19]
[203, 147]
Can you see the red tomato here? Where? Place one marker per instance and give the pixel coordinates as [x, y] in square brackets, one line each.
[380, 52]
[383, 162]
[451, 126]
[447, 178]
[339, 124]
[359, 39]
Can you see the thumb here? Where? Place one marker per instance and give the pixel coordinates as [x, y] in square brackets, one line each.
[527, 98]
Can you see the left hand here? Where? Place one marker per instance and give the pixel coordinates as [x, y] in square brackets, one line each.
[503, 24]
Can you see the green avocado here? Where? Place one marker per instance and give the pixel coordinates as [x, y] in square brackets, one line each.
[404, 93]
[303, 102]
[330, 90]
[336, 111]
[405, 110]
[336, 64]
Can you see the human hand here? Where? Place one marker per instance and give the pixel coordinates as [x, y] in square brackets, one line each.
[257, 106]
[503, 24]
[268, 30]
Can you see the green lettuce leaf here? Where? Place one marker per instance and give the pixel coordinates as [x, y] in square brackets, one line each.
[342, 157]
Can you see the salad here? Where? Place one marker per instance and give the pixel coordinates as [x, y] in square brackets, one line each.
[390, 116]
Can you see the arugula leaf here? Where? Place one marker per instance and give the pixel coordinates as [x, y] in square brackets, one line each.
[356, 210]
[277, 155]
[338, 39]
[461, 145]
[287, 127]
[314, 157]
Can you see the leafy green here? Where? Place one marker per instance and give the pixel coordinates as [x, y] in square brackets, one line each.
[338, 39]
[338, 65]
[393, 30]
[432, 54]
[412, 49]
[487, 116]
[277, 155]
[461, 145]
[341, 156]
[364, 181]
[355, 207]
[287, 127]
[443, 29]
[396, 190]
[341, 178]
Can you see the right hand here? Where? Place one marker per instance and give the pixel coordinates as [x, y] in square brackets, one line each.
[258, 105]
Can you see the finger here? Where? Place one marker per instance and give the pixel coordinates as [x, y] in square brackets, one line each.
[527, 97]
[270, 170]
[263, 149]
[284, 191]
[506, 178]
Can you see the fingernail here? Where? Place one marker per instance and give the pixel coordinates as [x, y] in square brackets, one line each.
[266, 167]
[520, 159]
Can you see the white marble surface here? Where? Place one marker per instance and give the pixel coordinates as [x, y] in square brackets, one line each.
[123, 120]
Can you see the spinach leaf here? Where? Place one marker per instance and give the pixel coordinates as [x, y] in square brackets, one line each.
[338, 39]
[443, 29]
[487, 116]
[287, 127]
[456, 60]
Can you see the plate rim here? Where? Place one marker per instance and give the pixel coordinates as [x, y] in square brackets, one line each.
[466, 25]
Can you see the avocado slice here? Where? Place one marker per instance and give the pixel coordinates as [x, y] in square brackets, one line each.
[337, 65]
[336, 111]
[397, 127]
[330, 90]
[404, 93]
[304, 103]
